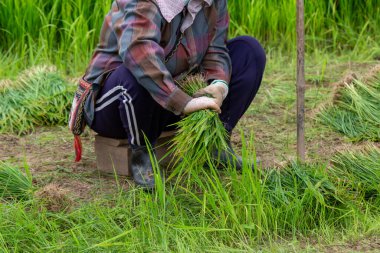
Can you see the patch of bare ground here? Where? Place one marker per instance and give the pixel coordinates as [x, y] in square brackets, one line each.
[50, 155]
[319, 150]
[54, 198]
[370, 244]
[275, 127]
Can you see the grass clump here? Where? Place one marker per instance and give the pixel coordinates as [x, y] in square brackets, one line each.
[13, 183]
[359, 172]
[356, 112]
[220, 211]
[39, 97]
[199, 134]
[295, 179]
[304, 197]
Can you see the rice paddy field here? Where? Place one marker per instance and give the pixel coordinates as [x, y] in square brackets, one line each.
[330, 203]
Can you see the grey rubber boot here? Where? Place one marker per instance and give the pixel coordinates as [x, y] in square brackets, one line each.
[141, 167]
[227, 157]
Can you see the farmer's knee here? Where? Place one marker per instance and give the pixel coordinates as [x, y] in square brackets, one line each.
[123, 76]
[248, 63]
[251, 51]
[246, 51]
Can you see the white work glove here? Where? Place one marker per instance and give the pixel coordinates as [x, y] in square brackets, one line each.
[218, 91]
[201, 103]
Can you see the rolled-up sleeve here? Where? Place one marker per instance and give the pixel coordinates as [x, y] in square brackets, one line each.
[216, 63]
[138, 29]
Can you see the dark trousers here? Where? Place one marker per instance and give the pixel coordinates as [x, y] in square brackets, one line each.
[124, 109]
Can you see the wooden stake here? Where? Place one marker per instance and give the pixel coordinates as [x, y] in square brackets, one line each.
[300, 81]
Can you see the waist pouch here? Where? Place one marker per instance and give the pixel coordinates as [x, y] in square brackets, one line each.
[83, 109]
[77, 117]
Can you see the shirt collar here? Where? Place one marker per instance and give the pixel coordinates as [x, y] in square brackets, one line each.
[171, 8]
[193, 8]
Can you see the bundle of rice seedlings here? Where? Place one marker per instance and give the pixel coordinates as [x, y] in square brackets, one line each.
[359, 172]
[13, 183]
[303, 197]
[289, 184]
[24, 76]
[38, 98]
[356, 113]
[198, 134]
[5, 84]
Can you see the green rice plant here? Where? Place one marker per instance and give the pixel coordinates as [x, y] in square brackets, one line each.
[329, 24]
[13, 183]
[39, 97]
[61, 32]
[65, 32]
[359, 172]
[199, 134]
[356, 113]
[305, 197]
[264, 203]
[286, 183]
[218, 211]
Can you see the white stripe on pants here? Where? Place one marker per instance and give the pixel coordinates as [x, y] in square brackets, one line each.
[129, 110]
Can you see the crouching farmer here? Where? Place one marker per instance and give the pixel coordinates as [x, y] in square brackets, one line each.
[129, 89]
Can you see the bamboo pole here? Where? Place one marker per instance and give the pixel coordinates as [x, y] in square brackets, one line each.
[300, 81]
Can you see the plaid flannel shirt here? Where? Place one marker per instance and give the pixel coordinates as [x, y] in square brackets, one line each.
[135, 33]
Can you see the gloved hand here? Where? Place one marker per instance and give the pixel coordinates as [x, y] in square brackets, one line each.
[218, 91]
[201, 103]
